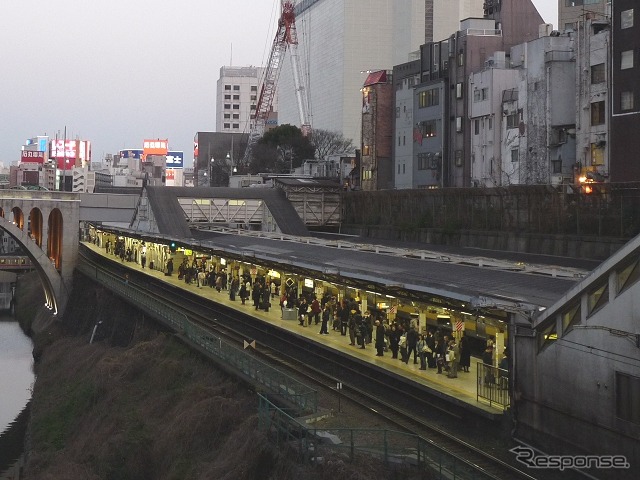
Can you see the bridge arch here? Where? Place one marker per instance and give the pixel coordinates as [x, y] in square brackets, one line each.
[35, 225]
[55, 291]
[18, 217]
[55, 237]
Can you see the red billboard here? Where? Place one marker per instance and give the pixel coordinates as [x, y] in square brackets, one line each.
[31, 156]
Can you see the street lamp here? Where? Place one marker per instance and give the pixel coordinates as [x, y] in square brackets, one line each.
[211, 165]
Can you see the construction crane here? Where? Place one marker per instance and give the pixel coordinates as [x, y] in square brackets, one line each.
[286, 36]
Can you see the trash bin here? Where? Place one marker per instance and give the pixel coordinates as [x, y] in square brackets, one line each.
[289, 313]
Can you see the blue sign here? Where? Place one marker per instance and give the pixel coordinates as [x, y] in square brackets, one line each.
[175, 159]
[42, 144]
[131, 154]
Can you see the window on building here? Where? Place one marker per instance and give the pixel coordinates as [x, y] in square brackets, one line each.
[556, 166]
[597, 154]
[476, 127]
[236, 125]
[490, 119]
[227, 125]
[236, 97]
[236, 87]
[626, 18]
[515, 153]
[460, 59]
[398, 140]
[598, 297]
[236, 116]
[236, 107]
[227, 115]
[597, 113]
[227, 106]
[366, 150]
[477, 96]
[485, 93]
[626, 101]
[428, 128]
[627, 390]
[252, 107]
[404, 140]
[254, 88]
[547, 335]
[227, 87]
[403, 168]
[459, 90]
[254, 98]
[598, 73]
[458, 124]
[628, 275]
[428, 98]
[227, 97]
[571, 317]
[513, 120]
[424, 161]
[626, 60]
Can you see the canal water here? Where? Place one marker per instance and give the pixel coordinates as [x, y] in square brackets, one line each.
[16, 383]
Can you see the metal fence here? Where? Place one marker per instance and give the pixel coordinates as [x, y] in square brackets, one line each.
[493, 385]
[310, 445]
[273, 381]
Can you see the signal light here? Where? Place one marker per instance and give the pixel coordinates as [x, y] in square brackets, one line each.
[172, 247]
[588, 189]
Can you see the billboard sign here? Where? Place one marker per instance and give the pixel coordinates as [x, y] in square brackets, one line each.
[155, 147]
[62, 149]
[175, 159]
[131, 153]
[31, 156]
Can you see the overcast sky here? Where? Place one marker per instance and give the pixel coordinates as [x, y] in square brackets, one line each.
[121, 71]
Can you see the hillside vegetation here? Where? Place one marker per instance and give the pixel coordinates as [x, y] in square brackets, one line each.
[138, 404]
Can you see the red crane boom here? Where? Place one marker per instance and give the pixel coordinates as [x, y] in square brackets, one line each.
[286, 36]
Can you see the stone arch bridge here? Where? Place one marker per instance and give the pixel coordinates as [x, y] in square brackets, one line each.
[45, 225]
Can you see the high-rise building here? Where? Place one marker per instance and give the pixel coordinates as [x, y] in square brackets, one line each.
[625, 91]
[237, 95]
[342, 41]
[571, 12]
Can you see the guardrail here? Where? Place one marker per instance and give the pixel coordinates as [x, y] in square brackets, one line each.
[392, 447]
[493, 385]
[271, 379]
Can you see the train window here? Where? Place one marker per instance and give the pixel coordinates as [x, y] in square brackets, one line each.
[444, 321]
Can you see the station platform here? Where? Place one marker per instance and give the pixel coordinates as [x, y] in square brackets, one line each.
[463, 388]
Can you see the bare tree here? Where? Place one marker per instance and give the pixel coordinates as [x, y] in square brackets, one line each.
[329, 143]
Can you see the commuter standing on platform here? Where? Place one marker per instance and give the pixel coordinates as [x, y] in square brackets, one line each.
[352, 327]
[465, 353]
[326, 314]
[170, 266]
[431, 344]
[412, 341]
[344, 317]
[256, 294]
[380, 332]
[454, 359]
[302, 311]
[315, 311]
[421, 346]
[394, 338]
[243, 292]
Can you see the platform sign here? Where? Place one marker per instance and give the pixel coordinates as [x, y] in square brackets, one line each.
[249, 344]
[459, 325]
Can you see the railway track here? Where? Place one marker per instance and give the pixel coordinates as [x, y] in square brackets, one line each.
[402, 404]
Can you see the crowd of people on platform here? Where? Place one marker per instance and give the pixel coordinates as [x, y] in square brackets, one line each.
[432, 349]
